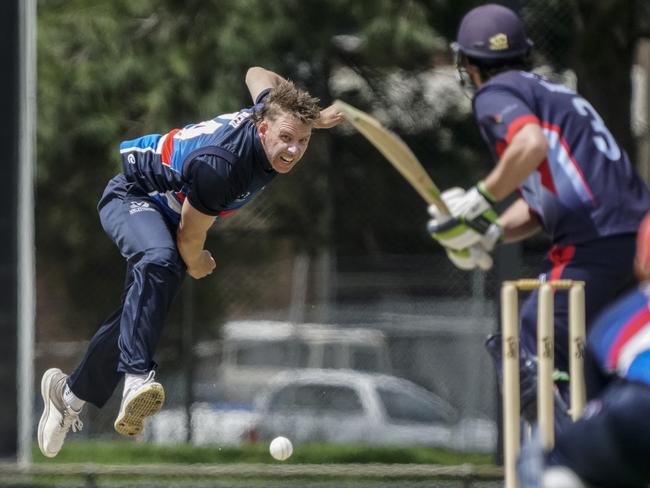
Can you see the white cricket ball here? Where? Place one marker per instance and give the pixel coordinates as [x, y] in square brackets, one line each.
[281, 448]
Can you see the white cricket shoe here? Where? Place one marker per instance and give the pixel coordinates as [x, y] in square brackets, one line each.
[139, 402]
[58, 417]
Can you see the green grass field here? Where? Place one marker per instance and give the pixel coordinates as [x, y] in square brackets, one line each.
[131, 452]
[117, 464]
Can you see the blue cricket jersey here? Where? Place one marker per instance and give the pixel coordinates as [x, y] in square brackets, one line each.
[620, 337]
[586, 188]
[218, 164]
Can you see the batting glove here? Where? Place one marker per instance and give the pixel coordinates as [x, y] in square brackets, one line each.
[474, 208]
[450, 232]
[470, 258]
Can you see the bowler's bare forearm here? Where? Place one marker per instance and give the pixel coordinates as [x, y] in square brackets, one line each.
[190, 239]
[190, 244]
[259, 79]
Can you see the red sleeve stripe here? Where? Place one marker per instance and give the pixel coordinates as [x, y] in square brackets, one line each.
[168, 147]
[517, 124]
[565, 146]
[546, 176]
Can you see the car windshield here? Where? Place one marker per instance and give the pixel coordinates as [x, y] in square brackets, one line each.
[269, 353]
[316, 397]
[365, 359]
[406, 406]
[332, 354]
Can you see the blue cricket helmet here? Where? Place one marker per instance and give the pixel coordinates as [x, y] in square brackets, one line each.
[492, 33]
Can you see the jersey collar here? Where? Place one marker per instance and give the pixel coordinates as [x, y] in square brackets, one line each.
[259, 154]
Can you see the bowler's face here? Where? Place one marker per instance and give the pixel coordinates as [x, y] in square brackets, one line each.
[285, 141]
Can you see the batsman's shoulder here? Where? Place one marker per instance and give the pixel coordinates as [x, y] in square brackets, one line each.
[510, 81]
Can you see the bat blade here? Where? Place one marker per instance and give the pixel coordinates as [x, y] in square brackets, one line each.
[395, 150]
[402, 158]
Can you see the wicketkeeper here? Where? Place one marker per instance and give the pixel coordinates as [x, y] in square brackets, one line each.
[609, 446]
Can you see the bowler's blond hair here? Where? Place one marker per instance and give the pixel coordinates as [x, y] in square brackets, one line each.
[285, 98]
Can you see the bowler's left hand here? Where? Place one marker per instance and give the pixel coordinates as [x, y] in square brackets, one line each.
[329, 117]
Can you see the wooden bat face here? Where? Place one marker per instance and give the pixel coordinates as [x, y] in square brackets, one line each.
[402, 158]
[396, 152]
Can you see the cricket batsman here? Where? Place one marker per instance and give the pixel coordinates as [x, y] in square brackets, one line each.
[572, 180]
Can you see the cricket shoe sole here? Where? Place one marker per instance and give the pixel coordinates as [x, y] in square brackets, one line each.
[142, 403]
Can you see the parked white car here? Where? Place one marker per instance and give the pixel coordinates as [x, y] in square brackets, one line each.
[344, 406]
[331, 406]
[254, 351]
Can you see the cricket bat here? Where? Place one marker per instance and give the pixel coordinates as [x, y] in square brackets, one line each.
[396, 152]
[403, 160]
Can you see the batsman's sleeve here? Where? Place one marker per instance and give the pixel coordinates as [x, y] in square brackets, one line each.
[500, 114]
[210, 190]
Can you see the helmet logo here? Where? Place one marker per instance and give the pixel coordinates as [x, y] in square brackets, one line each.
[498, 42]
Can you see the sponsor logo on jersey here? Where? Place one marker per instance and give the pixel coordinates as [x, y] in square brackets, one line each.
[136, 207]
[239, 119]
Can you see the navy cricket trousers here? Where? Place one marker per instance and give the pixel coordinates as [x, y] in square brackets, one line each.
[607, 268]
[127, 340]
[609, 446]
